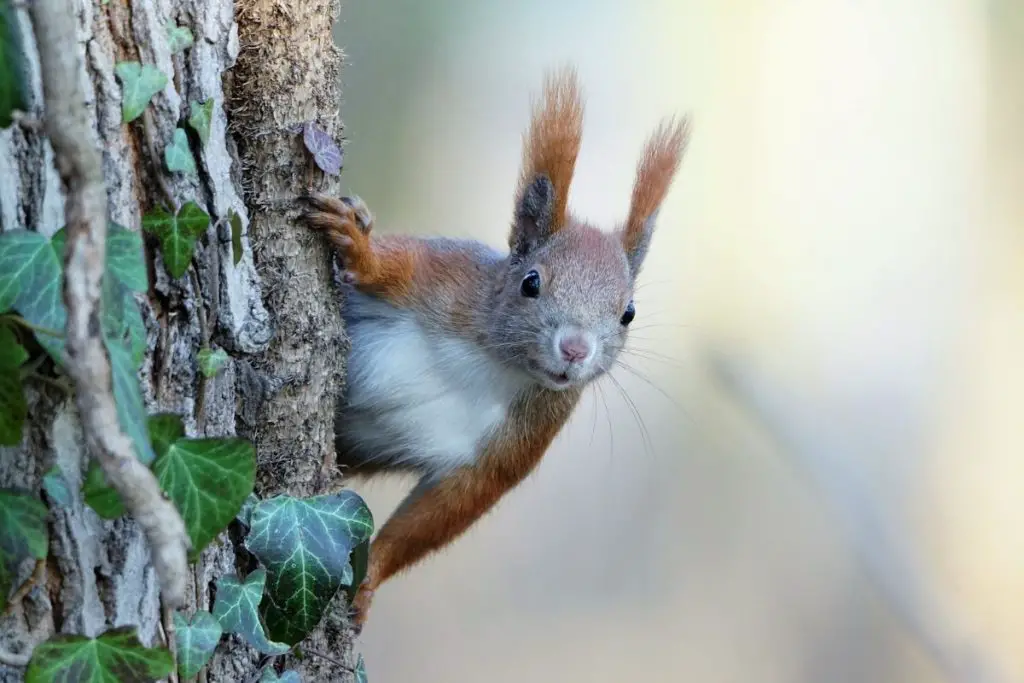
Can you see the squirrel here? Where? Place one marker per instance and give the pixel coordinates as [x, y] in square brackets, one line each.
[464, 362]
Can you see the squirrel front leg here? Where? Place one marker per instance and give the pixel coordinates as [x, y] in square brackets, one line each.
[382, 268]
[440, 509]
[431, 517]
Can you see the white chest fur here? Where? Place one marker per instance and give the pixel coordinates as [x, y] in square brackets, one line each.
[417, 396]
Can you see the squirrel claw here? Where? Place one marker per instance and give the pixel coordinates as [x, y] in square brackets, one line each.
[360, 607]
[347, 222]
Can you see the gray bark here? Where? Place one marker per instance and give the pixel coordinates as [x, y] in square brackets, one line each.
[275, 312]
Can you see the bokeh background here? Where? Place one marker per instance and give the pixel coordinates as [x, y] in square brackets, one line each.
[845, 244]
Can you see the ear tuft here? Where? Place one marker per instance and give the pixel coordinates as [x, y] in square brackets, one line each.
[550, 148]
[654, 174]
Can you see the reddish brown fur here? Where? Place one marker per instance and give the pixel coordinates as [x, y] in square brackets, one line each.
[407, 273]
[553, 142]
[445, 511]
[397, 268]
[658, 165]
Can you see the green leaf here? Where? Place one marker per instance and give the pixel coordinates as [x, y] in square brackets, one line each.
[236, 237]
[178, 37]
[270, 676]
[245, 514]
[305, 545]
[360, 670]
[99, 495]
[125, 257]
[125, 272]
[178, 234]
[13, 408]
[237, 609]
[122, 319]
[164, 429]
[116, 656]
[177, 154]
[29, 267]
[138, 86]
[13, 82]
[135, 328]
[200, 117]
[211, 361]
[22, 534]
[208, 480]
[197, 639]
[131, 409]
[56, 487]
[360, 563]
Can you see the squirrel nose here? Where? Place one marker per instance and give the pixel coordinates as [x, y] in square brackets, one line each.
[574, 349]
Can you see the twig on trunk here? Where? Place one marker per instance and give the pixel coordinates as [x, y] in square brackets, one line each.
[78, 160]
[171, 641]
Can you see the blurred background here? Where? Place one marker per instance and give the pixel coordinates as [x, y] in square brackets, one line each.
[823, 476]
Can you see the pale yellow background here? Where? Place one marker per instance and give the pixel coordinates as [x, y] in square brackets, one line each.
[849, 224]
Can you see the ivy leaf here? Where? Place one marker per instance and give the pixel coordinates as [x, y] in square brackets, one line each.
[237, 609]
[360, 563]
[178, 37]
[178, 156]
[22, 534]
[138, 86]
[131, 409]
[305, 545]
[197, 639]
[13, 408]
[56, 487]
[270, 676]
[99, 495]
[125, 273]
[164, 429]
[360, 671]
[236, 237]
[211, 360]
[12, 66]
[29, 267]
[200, 117]
[208, 480]
[325, 151]
[125, 260]
[245, 514]
[178, 234]
[122, 319]
[117, 655]
[135, 328]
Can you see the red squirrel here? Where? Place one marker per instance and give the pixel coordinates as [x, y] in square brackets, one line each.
[466, 362]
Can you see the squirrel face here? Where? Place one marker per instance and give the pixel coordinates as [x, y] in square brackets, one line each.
[564, 307]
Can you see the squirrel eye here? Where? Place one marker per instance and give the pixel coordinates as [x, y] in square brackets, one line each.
[531, 285]
[630, 313]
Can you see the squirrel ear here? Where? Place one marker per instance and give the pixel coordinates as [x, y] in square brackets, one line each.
[550, 149]
[658, 165]
[534, 216]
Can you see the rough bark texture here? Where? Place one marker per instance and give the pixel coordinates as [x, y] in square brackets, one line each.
[275, 311]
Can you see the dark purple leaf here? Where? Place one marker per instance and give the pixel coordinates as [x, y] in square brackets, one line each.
[322, 146]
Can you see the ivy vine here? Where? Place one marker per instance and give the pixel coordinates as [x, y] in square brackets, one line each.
[306, 550]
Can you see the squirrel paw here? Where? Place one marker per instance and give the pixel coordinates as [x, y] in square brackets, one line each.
[347, 222]
[360, 607]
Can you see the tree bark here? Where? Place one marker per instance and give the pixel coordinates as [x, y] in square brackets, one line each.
[269, 67]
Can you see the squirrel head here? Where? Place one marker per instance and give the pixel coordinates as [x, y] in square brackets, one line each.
[565, 301]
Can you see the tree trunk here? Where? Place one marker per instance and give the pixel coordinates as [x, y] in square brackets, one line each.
[269, 66]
